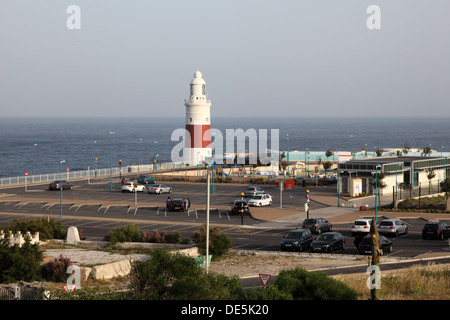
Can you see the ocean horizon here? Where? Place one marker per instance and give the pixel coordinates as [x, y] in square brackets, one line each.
[72, 139]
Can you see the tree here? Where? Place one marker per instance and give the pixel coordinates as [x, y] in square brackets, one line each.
[327, 165]
[379, 152]
[20, 263]
[378, 183]
[426, 151]
[406, 149]
[445, 187]
[329, 153]
[430, 175]
[219, 243]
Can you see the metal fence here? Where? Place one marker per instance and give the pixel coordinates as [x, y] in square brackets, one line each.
[80, 174]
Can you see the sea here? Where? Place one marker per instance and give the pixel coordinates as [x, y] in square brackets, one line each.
[36, 145]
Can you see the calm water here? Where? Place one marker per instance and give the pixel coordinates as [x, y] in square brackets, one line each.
[73, 139]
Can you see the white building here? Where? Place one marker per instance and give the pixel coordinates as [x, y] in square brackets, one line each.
[198, 123]
[357, 176]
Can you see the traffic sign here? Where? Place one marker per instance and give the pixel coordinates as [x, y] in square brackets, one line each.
[26, 174]
[69, 288]
[264, 278]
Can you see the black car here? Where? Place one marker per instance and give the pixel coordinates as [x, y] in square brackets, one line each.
[296, 240]
[328, 242]
[317, 225]
[240, 207]
[57, 184]
[176, 205]
[365, 245]
[435, 229]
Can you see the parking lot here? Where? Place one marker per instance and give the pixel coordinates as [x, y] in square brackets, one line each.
[95, 210]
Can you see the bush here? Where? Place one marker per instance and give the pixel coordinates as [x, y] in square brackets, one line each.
[47, 228]
[219, 243]
[304, 285]
[268, 293]
[130, 233]
[19, 263]
[172, 275]
[56, 270]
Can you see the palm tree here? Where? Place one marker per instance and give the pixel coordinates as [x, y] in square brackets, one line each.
[430, 176]
[445, 187]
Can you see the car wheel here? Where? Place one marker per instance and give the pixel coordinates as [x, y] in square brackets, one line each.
[396, 233]
[170, 190]
[381, 252]
[331, 228]
[441, 237]
[270, 203]
[319, 231]
[390, 248]
[406, 230]
[343, 245]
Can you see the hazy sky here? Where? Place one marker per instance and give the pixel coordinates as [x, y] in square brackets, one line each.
[294, 58]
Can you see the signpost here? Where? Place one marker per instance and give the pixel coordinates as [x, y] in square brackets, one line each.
[26, 175]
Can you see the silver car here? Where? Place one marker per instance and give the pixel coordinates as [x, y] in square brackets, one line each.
[253, 191]
[393, 227]
[159, 189]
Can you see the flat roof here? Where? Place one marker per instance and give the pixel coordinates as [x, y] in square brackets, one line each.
[383, 160]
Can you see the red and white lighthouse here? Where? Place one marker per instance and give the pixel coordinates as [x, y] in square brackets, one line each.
[198, 123]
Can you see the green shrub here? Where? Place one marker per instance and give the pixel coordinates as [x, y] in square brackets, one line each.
[268, 293]
[47, 228]
[219, 243]
[19, 263]
[304, 285]
[130, 233]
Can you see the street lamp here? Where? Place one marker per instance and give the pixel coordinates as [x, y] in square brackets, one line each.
[287, 138]
[60, 187]
[156, 157]
[338, 184]
[376, 189]
[32, 172]
[139, 154]
[110, 142]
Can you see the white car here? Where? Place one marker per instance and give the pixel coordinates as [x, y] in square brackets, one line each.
[361, 227]
[132, 187]
[261, 200]
[392, 227]
[159, 188]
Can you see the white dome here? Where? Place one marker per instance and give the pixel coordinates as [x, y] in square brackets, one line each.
[198, 78]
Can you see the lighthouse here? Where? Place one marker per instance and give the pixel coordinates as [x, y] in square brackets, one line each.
[198, 123]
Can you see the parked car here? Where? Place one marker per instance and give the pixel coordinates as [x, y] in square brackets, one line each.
[58, 184]
[361, 227]
[159, 188]
[146, 180]
[317, 225]
[261, 200]
[365, 246]
[392, 227]
[240, 207]
[436, 229]
[329, 242]
[132, 187]
[297, 240]
[253, 191]
[176, 205]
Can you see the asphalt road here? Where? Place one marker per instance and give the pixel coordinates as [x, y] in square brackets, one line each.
[95, 210]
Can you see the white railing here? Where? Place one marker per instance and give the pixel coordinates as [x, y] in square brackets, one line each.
[71, 175]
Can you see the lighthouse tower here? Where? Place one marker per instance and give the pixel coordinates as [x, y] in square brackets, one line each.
[198, 123]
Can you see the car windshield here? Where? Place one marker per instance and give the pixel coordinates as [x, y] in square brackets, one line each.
[293, 235]
[325, 237]
[257, 198]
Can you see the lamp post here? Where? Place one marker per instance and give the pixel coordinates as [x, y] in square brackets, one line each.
[338, 185]
[60, 187]
[32, 172]
[376, 190]
[110, 142]
[287, 138]
[93, 154]
[139, 154]
[156, 157]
